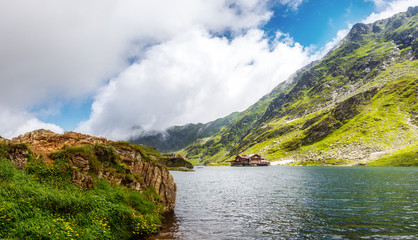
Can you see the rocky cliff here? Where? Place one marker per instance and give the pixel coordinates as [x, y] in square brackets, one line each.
[91, 157]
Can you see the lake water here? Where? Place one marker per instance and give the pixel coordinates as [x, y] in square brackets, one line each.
[294, 203]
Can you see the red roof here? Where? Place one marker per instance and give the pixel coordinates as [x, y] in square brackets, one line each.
[246, 156]
[178, 155]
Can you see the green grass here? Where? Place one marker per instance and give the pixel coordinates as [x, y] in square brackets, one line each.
[42, 203]
[219, 164]
[382, 123]
[405, 157]
[101, 158]
[147, 153]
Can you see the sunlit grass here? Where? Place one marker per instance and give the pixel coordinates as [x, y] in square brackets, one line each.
[42, 203]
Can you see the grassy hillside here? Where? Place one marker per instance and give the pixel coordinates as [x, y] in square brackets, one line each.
[178, 137]
[356, 105]
[41, 201]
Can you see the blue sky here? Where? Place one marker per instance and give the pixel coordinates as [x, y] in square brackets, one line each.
[67, 114]
[316, 22]
[116, 69]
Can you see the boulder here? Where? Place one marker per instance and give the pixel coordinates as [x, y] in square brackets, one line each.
[82, 180]
[18, 154]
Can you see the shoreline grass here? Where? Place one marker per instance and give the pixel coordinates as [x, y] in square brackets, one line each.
[41, 202]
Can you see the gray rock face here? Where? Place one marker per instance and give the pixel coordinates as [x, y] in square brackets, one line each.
[412, 11]
[81, 163]
[82, 180]
[156, 176]
[358, 30]
[161, 180]
[414, 118]
[19, 156]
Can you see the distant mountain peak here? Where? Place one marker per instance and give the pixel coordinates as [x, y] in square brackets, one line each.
[340, 110]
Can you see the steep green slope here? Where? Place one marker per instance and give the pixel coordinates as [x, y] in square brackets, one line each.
[178, 137]
[357, 104]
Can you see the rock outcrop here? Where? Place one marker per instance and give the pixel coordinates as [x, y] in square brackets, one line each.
[137, 172]
[154, 175]
[3, 140]
[45, 142]
[19, 155]
[175, 161]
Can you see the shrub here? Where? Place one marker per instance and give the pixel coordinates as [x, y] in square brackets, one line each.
[35, 209]
[7, 169]
[105, 153]
[41, 202]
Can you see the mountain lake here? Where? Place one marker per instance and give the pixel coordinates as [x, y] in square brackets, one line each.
[294, 203]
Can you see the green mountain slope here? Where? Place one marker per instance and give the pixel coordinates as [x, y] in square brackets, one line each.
[178, 137]
[358, 104]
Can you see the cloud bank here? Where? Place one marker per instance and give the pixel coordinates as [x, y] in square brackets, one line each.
[194, 77]
[389, 9]
[147, 64]
[63, 50]
[14, 123]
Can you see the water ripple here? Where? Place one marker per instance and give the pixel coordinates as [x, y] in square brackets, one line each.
[294, 203]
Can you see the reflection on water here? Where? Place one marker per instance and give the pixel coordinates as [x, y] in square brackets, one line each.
[170, 228]
[294, 203]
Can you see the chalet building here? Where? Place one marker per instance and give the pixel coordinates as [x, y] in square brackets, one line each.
[249, 160]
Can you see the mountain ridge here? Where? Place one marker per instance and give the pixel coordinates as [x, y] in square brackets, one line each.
[313, 117]
[368, 60]
[178, 137]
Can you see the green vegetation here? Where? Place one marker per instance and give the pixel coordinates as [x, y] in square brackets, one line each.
[359, 100]
[178, 137]
[219, 164]
[148, 153]
[407, 156]
[101, 158]
[175, 162]
[41, 202]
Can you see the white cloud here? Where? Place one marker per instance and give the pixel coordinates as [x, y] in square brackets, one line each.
[391, 8]
[194, 77]
[293, 4]
[380, 4]
[59, 49]
[334, 42]
[13, 123]
[53, 51]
